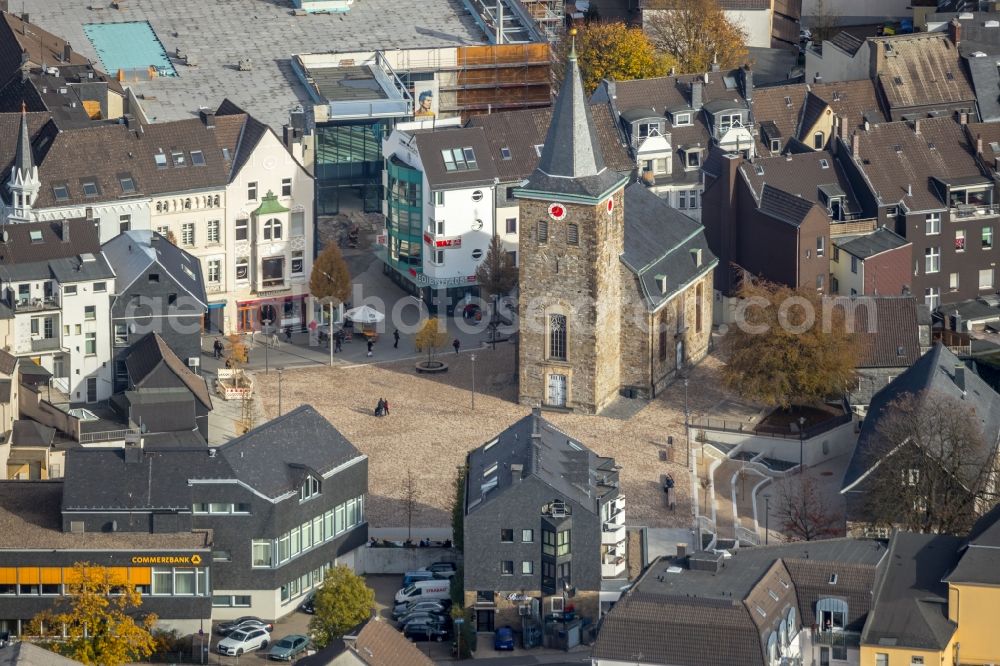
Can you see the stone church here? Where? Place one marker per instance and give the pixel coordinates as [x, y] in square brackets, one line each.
[615, 286]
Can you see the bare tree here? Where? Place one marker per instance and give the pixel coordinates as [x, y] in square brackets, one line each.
[932, 469]
[802, 514]
[410, 494]
[825, 23]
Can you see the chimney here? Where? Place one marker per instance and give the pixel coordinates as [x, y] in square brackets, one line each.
[133, 448]
[64, 231]
[67, 52]
[963, 118]
[536, 414]
[960, 377]
[856, 145]
[909, 190]
[696, 89]
[955, 31]
[207, 117]
[516, 471]
[715, 62]
[25, 72]
[682, 550]
[916, 126]
[747, 82]
[612, 89]
[979, 144]
[89, 214]
[24, 57]
[704, 78]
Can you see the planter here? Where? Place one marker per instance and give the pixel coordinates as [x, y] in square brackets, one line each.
[431, 367]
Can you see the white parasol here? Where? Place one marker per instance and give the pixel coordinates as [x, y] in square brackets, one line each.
[364, 314]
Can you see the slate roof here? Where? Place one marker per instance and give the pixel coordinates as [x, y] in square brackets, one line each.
[941, 150]
[846, 42]
[660, 240]
[801, 175]
[31, 510]
[134, 251]
[430, 145]
[990, 134]
[986, 81]
[864, 246]
[978, 565]
[701, 617]
[923, 69]
[520, 131]
[784, 206]
[930, 376]
[41, 129]
[554, 458]
[910, 605]
[886, 331]
[272, 459]
[8, 362]
[571, 163]
[78, 259]
[31, 433]
[151, 352]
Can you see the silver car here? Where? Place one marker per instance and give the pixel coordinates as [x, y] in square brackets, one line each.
[418, 607]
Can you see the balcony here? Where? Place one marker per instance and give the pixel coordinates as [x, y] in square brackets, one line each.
[965, 211]
[613, 566]
[612, 533]
[846, 639]
[36, 304]
[45, 344]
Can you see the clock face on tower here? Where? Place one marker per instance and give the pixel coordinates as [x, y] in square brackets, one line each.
[557, 211]
[611, 205]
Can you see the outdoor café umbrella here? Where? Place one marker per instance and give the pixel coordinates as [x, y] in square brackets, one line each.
[364, 314]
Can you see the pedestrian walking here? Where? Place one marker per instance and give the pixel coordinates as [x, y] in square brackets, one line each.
[371, 346]
[385, 406]
[338, 342]
[288, 333]
[395, 339]
[217, 348]
[456, 344]
[380, 408]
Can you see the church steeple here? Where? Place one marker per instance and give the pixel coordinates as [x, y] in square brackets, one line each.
[23, 182]
[571, 163]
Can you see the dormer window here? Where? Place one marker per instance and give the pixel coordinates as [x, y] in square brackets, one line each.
[648, 129]
[729, 120]
[775, 145]
[61, 192]
[681, 119]
[692, 159]
[309, 489]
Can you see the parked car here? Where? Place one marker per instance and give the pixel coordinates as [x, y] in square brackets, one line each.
[423, 616]
[503, 639]
[426, 631]
[442, 569]
[288, 647]
[440, 606]
[309, 605]
[241, 641]
[423, 590]
[413, 576]
[245, 622]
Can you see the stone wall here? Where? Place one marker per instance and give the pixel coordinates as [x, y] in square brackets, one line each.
[583, 283]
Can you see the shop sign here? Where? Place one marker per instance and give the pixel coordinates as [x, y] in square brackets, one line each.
[443, 242]
[438, 283]
[194, 560]
[517, 596]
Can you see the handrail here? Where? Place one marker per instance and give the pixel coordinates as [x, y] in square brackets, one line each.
[107, 435]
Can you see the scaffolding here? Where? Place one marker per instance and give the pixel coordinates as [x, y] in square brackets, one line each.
[497, 78]
[548, 15]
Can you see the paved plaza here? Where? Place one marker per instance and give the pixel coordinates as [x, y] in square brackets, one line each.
[432, 425]
[218, 33]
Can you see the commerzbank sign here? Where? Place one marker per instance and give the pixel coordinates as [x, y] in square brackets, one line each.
[190, 560]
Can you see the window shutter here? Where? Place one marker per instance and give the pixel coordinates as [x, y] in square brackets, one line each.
[572, 234]
[543, 231]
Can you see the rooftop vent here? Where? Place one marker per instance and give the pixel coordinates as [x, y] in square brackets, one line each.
[661, 283]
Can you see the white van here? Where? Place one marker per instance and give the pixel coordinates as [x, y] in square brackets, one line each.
[423, 590]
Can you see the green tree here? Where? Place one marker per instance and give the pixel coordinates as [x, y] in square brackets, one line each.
[616, 52]
[342, 603]
[458, 509]
[430, 338]
[497, 273]
[330, 278]
[695, 33]
[787, 346]
[100, 619]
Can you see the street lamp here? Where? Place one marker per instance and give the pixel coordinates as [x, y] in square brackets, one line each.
[267, 323]
[802, 469]
[687, 427]
[473, 358]
[767, 514]
[279, 389]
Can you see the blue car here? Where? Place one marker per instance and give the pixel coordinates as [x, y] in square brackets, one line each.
[503, 639]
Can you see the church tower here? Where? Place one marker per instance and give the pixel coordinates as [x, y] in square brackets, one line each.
[23, 183]
[571, 241]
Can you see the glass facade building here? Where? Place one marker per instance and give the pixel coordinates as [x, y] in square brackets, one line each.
[404, 217]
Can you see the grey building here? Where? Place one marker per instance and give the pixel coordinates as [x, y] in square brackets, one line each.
[247, 528]
[159, 289]
[544, 527]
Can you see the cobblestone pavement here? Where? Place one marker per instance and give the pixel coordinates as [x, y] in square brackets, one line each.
[217, 33]
[432, 425]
